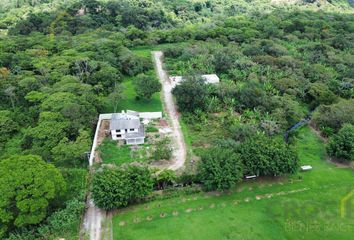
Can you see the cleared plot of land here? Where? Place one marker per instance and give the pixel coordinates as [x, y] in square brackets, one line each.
[111, 153]
[129, 102]
[305, 206]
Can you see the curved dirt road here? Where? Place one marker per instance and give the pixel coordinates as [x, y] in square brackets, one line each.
[180, 152]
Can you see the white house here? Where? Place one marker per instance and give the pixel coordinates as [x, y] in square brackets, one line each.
[209, 78]
[127, 126]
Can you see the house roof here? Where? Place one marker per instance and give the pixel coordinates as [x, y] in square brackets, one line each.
[139, 134]
[124, 121]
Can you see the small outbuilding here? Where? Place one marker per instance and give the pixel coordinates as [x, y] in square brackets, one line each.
[209, 78]
[306, 168]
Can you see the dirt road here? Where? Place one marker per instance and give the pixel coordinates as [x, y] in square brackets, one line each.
[180, 152]
[93, 221]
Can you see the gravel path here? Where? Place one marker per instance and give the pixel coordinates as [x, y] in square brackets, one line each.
[180, 152]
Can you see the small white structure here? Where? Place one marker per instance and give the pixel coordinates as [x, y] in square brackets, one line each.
[306, 168]
[209, 78]
[127, 126]
[251, 176]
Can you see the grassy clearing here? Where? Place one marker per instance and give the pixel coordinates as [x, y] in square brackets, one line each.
[142, 105]
[113, 154]
[129, 101]
[303, 206]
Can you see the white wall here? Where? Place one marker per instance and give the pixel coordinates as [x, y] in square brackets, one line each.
[150, 115]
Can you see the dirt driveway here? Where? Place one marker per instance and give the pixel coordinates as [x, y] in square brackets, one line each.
[179, 153]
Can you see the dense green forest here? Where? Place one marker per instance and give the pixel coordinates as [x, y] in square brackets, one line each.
[62, 63]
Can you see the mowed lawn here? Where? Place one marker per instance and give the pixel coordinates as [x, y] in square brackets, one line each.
[304, 206]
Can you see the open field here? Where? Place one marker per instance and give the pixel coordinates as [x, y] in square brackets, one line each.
[303, 206]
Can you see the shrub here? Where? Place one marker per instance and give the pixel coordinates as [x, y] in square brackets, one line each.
[146, 86]
[162, 150]
[341, 145]
[151, 129]
[335, 115]
[164, 179]
[266, 156]
[220, 169]
[117, 187]
[191, 94]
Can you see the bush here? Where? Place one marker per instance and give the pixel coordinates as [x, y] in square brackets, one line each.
[117, 187]
[64, 220]
[335, 115]
[162, 150]
[191, 94]
[265, 156]
[220, 169]
[341, 145]
[150, 129]
[146, 86]
[164, 179]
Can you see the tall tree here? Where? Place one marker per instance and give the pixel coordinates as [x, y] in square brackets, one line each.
[146, 86]
[27, 186]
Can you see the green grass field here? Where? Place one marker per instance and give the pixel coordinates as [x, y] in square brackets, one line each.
[112, 154]
[303, 206]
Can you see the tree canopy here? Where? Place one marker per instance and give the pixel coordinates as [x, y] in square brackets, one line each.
[341, 144]
[220, 169]
[115, 188]
[27, 187]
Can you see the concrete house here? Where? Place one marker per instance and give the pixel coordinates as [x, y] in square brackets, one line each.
[127, 126]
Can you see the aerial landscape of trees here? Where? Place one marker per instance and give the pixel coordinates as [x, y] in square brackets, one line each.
[62, 63]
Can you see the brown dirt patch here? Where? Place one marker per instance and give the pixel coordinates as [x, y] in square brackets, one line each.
[122, 223]
[163, 123]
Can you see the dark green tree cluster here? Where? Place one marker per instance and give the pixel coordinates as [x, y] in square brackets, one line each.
[223, 165]
[117, 187]
[51, 92]
[146, 86]
[264, 156]
[28, 187]
[341, 144]
[191, 94]
[220, 169]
